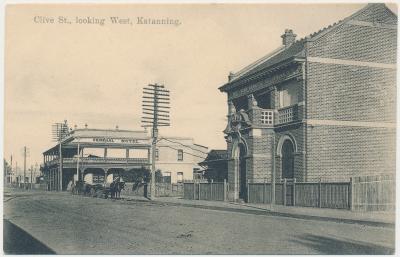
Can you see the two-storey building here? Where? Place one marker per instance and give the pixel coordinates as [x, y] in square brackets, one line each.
[96, 155]
[178, 158]
[322, 107]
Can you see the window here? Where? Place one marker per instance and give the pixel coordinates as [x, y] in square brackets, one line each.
[98, 178]
[166, 178]
[288, 95]
[180, 155]
[180, 177]
[157, 155]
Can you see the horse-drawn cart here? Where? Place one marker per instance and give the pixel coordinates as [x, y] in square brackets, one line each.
[99, 188]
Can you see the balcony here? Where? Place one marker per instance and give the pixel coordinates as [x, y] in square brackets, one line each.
[269, 117]
[288, 114]
[100, 160]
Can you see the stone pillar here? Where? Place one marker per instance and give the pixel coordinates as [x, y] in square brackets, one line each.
[233, 193]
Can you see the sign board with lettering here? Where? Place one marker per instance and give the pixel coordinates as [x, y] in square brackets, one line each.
[109, 140]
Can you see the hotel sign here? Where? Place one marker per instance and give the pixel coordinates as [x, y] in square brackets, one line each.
[109, 140]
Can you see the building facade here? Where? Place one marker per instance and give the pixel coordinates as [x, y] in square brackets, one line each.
[177, 158]
[318, 108]
[96, 155]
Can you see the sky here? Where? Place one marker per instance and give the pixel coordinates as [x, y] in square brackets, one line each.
[92, 74]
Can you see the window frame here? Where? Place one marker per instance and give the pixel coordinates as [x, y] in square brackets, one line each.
[180, 155]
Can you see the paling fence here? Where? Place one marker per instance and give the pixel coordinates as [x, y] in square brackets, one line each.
[306, 194]
[374, 193]
[213, 191]
[162, 189]
[368, 193]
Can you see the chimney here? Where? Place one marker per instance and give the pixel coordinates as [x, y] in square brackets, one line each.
[288, 38]
[230, 76]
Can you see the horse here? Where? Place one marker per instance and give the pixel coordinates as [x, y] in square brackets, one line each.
[116, 187]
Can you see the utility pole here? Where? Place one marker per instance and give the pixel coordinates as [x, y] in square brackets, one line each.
[11, 172]
[155, 113]
[25, 153]
[16, 174]
[31, 176]
[24, 165]
[60, 131]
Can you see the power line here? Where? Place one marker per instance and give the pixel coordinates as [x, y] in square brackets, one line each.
[183, 151]
[163, 138]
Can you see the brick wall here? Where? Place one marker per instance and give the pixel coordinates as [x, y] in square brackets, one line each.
[337, 153]
[352, 93]
[297, 133]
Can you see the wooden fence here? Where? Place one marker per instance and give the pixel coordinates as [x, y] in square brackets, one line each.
[162, 189]
[306, 194]
[374, 193]
[368, 193]
[213, 191]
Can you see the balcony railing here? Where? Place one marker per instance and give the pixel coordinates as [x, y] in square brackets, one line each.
[267, 117]
[91, 160]
[287, 114]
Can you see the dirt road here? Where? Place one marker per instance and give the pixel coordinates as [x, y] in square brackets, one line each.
[69, 224]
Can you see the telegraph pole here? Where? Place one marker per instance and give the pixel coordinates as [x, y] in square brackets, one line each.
[24, 165]
[25, 153]
[31, 176]
[11, 163]
[16, 174]
[155, 113]
[60, 131]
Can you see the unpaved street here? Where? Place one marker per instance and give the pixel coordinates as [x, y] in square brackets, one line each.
[69, 224]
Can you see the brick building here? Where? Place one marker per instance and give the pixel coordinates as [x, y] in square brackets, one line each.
[322, 107]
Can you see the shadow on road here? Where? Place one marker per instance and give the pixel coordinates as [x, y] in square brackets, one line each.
[329, 245]
[17, 241]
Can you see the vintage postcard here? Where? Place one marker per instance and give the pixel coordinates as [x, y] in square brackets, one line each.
[189, 128]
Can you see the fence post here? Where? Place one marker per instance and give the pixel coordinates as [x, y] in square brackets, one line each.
[284, 192]
[264, 191]
[199, 192]
[194, 190]
[224, 190]
[294, 192]
[211, 190]
[319, 193]
[248, 190]
[350, 197]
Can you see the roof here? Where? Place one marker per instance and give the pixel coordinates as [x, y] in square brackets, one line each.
[295, 50]
[216, 155]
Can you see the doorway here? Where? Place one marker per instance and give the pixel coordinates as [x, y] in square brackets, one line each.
[242, 172]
